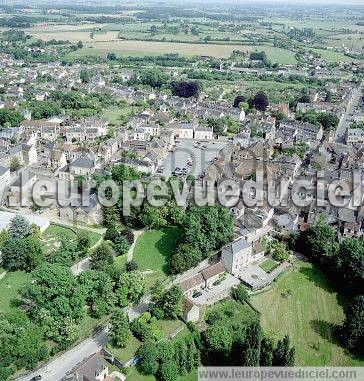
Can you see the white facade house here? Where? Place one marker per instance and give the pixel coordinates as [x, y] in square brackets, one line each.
[186, 131]
[204, 133]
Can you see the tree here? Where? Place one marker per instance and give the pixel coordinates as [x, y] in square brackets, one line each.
[122, 172]
[152, 77]
[218, 338]
[328, 120]
[4, 236]
[283, 354]
[83, 241]
[44, 109]
[79, 44]
[206, 229]
[35, 230]
[111, 233]
[186, 257]
[350, 262]
[185, 89]
[148, 354]
[266, 352]
[131, 286]
[19, 227]
[131, 266]
[55, 300]
[251, 345]
[318, 241]
[99, 294]
[240, 294]
[22, 343]
[167, 303]
[168, 371]
[260, 101]
[238, 99]
[84, 76]
[153, 217]
[129, 235]
[11, 116]
[102, 257]
[121, 245]
[22, 253]
[351, 332]
[119, 331]
[15, 164]
[111, 56]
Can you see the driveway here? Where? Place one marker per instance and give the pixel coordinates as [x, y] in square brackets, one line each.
[57, 368]
[216, 293]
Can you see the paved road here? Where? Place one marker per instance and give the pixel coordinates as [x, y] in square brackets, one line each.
[57, 368]
[63, 364]
[347, 116]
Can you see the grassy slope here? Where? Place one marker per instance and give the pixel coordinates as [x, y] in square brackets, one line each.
[153, 250]
[303, 305]
[9, 286]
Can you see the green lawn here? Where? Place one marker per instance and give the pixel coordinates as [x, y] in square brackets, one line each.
[268, 265]
[231, 312]
[153, 250]
[9, 286]
[169, 327]
[52, 234]
[303, 305]
[125, 354]
[115, 115]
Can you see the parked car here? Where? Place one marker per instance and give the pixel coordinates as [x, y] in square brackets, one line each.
[36, 378]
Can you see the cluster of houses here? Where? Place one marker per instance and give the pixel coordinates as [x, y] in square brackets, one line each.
[62, 147]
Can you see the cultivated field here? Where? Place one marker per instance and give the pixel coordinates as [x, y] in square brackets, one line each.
[137, 48]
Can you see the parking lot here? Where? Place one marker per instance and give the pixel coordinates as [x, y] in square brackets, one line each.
[188, 158]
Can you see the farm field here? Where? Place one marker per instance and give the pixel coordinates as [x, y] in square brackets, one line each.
[331, 56]
[303, 305]
[137, 48]
[75, 35]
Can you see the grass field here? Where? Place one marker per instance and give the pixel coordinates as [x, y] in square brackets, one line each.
[133, 48]
[268, 265]
[303, 305]
[331, 56]
[232, 313]
[9, 286]
[115, 114]
[154, 248]
[127, 353]
[52, 234]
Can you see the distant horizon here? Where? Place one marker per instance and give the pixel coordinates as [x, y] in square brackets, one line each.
[175, 2]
